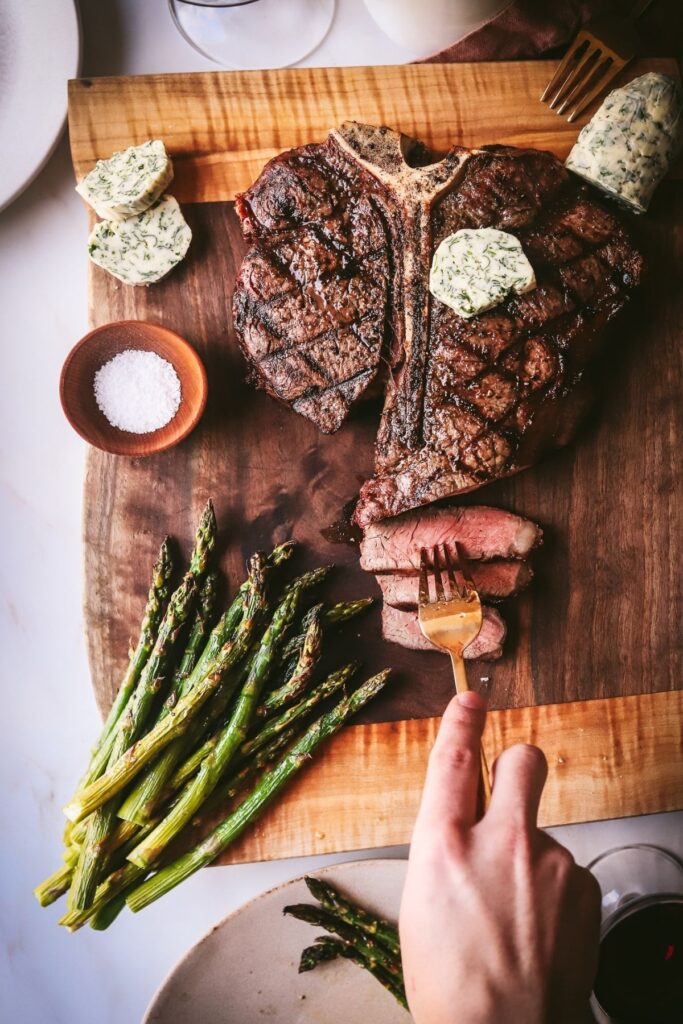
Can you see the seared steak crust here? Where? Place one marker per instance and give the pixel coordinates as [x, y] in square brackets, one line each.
[311, 305]
[343, 235]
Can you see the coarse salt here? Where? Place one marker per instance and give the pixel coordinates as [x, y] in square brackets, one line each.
[137, 391]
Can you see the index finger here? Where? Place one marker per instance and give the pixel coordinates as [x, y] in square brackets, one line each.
[451, 789]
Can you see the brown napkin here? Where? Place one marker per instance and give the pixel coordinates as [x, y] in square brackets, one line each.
[533, 28]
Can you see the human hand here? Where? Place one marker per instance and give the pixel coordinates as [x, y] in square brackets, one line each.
[498, 924]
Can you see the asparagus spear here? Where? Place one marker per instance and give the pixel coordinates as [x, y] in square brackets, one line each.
[147, 790]
[340, 612]
[327, 948]
[360, 940]
[303, 670]
[179, 719]
[265, 790]
[115, 883]
[54, 886]
[229, 741]
[156, 602]
[353, 915]
[327, 688]
[132, 721]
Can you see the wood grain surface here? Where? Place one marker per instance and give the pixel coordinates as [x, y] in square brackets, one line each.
[222, 127]
[601, 618]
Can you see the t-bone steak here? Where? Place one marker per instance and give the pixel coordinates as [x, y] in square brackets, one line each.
[343, 235]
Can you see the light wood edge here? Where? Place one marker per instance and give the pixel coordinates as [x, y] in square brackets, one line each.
[590, 746]
[222, 127]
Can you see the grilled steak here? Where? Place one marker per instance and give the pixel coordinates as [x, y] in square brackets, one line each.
[343, 235]
[485, 533]
[493, 580]
[401, 627]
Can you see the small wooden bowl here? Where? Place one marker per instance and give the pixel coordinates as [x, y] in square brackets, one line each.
[101, 345]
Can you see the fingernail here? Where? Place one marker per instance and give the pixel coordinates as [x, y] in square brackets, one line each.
[470, 699]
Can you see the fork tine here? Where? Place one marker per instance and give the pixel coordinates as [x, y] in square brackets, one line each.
[578, 78]
[465, 568]
[423, 597]
[573, 54]
[454, 585]
[591, 73]
[436, 565]
[612, 69]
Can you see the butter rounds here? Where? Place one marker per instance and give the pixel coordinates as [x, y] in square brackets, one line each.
[476, 269]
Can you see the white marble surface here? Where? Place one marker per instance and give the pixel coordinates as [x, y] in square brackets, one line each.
[48, 718]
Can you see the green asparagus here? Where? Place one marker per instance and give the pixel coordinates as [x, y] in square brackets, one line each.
[332, 901]
[327, 948]
[304, 667]
[360, 940]
[266, 789]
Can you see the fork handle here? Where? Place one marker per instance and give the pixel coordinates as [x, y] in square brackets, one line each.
[461, 686]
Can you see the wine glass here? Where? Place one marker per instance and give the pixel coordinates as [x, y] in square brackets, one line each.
[641, 951]
[253, 33]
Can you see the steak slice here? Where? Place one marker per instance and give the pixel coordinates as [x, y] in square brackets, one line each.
[401, 627]
[485, 533]
[493, 580]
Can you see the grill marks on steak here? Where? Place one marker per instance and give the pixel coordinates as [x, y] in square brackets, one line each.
[343, 235]
[502, 387]
[311, 306]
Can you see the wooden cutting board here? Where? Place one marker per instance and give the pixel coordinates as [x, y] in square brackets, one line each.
[593, 663]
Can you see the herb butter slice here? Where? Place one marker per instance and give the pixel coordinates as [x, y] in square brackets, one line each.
[129, 182]
[628, 146]
[476, 268]
[142, 249]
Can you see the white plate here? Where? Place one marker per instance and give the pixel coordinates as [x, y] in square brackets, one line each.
[40, 49]
[245, 969]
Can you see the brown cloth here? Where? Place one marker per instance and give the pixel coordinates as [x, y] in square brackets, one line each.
[526, 29]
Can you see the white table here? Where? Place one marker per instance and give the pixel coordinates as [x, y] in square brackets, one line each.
[49, 716]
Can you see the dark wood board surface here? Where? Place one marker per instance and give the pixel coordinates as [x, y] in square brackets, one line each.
[600, 619]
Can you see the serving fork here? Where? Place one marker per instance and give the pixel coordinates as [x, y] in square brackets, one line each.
[452, 621]
[599, 52]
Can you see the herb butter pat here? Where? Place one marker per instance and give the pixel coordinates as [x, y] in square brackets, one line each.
[129, 182]
[476, 268]
[630, 143]
[142, 249]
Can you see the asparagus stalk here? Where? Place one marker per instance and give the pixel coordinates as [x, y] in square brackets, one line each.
[340, 612]
[145, 794]
[355, 916]
[156, 602]
[129, 726]
[133, 720]
[179, 719]
[304, 667]
[251, 807]
[229, 741]
[327, 948]
[54, 886]
[360, 940]
[327, 688]
[115, 884]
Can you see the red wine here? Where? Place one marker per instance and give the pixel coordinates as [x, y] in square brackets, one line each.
[640, 972]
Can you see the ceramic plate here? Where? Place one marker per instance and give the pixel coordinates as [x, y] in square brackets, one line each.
[245, 969]
[33, 83]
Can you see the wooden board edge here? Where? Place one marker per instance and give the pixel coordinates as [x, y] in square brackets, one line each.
[282, 108]
[589, 745]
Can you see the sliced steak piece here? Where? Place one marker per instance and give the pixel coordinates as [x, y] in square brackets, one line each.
[394, 545]
[494, 580]
[401, 627]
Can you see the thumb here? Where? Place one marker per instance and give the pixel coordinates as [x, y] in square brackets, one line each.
[451, 789]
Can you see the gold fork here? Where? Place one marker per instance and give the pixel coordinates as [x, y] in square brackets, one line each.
[602, 48]
[451, 622]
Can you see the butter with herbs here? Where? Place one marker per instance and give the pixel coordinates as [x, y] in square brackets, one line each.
[143, 249]
[628, 146]
[128, 182]
[476, 268]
